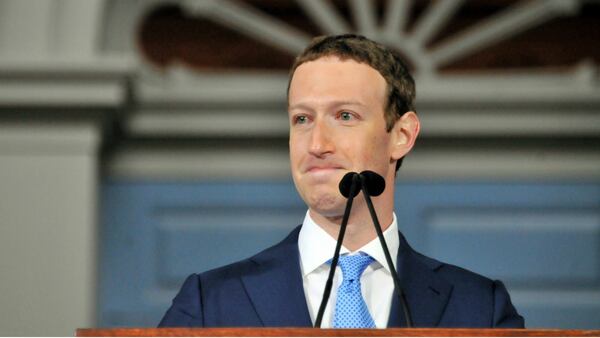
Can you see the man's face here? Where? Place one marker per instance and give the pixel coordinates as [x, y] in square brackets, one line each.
[337, 125]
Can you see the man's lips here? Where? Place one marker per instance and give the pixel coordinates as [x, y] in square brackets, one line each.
[319, 168]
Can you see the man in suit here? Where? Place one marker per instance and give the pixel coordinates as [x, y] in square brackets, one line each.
[351, 108]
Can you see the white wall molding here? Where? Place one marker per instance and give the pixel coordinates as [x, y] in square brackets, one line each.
[547, 107]
[50, 138]
[64, 82]
[519, 104]
[424, 164]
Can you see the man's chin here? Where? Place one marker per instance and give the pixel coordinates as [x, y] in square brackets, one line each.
[328, 206]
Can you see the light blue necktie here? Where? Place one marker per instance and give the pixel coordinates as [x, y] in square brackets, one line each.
[350, 308]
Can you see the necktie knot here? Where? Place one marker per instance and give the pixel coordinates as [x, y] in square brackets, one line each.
[353, 266]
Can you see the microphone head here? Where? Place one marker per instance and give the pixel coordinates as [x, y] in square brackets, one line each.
[375, 183]
[346, 185]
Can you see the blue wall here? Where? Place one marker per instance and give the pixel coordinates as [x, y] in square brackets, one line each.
[542, 240]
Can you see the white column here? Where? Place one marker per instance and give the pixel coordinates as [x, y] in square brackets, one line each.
[25, 27]
[48, 228]
[34, 29]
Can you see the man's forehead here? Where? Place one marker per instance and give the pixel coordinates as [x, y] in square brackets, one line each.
[331, 80]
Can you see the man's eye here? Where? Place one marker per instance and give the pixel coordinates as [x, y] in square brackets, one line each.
[345, 116]
[300, 119]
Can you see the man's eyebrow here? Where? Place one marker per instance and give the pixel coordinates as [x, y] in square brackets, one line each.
[301, 106]
[332, 104]
[347, 103]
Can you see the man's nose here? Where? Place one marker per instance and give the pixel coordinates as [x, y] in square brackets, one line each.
[321, 141]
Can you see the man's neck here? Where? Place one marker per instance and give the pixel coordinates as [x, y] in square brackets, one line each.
[360, 229]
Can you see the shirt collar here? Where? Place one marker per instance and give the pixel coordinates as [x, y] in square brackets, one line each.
[316, 246]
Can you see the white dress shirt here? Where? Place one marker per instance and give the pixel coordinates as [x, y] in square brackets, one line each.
[316, 248]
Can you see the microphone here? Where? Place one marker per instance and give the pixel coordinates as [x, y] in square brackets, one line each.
[346, 184]
[373, 184]
[349, 187]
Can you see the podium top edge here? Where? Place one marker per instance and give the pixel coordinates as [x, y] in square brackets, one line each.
[311, 332]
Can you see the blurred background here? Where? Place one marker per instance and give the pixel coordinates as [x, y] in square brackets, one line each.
[141, 141]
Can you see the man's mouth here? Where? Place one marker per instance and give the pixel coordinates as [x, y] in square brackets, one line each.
[322, 169]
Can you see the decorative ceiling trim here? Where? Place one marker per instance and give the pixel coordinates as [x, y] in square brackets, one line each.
[184, 82]
[250, 21]
[506, 24]
[325, 16]
[414, 44]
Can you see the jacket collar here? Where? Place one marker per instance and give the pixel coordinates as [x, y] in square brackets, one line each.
[276, 288]
[277, 293]
[426, 293]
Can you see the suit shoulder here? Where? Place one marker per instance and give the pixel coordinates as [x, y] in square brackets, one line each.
[229, 271]
[476, 301]
[250, 265]
[454, 274]
[485, 301]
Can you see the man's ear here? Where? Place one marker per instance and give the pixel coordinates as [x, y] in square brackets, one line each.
[404, 134]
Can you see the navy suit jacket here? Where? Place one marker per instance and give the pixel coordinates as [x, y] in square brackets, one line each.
[266, 290]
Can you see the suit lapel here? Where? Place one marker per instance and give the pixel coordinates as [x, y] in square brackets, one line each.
[277, 293]
[427, 294]
[276, 289]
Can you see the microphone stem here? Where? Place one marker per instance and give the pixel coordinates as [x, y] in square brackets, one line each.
[388, 258]
[336, 254]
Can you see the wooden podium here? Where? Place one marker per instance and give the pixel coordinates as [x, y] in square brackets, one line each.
[310, 332]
